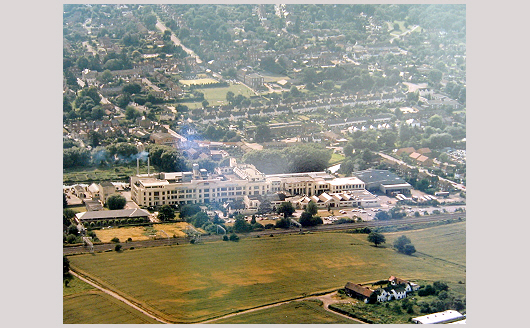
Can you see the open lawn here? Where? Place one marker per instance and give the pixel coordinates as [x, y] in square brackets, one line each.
[217, 96]
[191, 283]
[297, 312]
[336, 158]
[98, 307]
[269, 77]
[142, 233]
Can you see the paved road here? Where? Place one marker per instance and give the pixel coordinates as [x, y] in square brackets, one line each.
[328, 227]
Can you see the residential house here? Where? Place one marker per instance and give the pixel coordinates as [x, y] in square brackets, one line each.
[408, 151]
[161, 138]
[392, 292]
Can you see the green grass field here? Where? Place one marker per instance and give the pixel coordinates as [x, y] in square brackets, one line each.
[297, 312]
[444, 242]
[191, 283]
[217, 96]
[336, 158]
[95, 307]
[269, 77]
[76, 286]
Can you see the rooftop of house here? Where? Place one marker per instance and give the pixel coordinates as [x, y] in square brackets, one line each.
[365, 291]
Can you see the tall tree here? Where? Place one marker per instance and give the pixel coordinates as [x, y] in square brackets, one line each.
[286, 208]
[312, 208]
[376, 238]
[166, 213]
[116, 202]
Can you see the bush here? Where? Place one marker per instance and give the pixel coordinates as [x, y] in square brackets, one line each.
[269, 226]
[443, 295]
[129, 239]
[284, 223]
[115, 240]
[344, 220]
[428, 290]
[118, 247]
[440, 285]
[234, 237]
[71, 239]
[225, 238]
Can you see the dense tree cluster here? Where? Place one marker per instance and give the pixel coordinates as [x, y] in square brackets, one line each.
[304, 158]
[166, 158]
[166, 213]
[404, 245]
[116, 202]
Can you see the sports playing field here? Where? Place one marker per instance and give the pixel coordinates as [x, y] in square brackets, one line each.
[192, 283]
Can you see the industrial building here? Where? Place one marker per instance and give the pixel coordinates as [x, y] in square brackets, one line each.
[232, 183]
[384, 181]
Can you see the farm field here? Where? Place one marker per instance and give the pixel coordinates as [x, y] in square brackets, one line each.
[296, 312]
[192, 283]
[142, 233]
[96, 307]
[442, 242]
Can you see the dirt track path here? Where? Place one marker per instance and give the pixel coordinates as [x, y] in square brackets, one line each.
[124, 300]
[326, 299]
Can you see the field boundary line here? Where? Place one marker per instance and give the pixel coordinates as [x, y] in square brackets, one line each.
[118, 297]
[439, 259]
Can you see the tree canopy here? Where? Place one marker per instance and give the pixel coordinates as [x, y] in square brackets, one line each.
[166, 213]
[376, 238]
[116, 202]
[404, 245]
[303, 158]
[286, 208]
